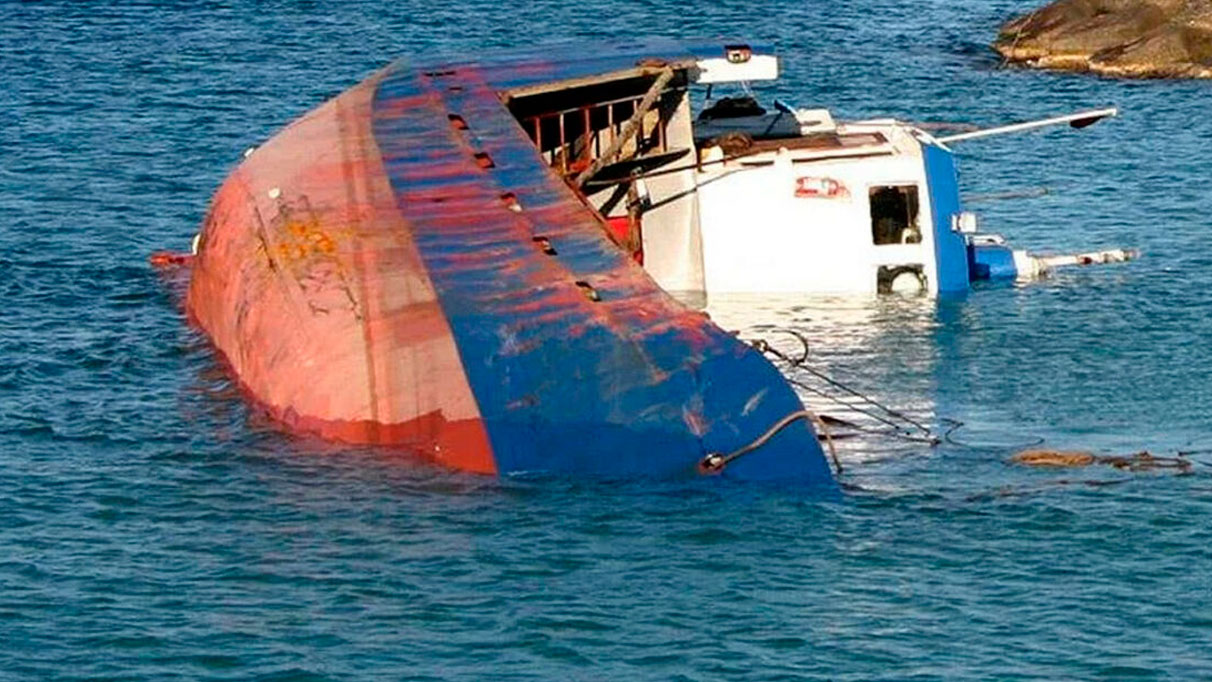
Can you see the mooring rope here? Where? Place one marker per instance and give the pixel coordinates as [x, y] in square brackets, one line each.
[715, 462]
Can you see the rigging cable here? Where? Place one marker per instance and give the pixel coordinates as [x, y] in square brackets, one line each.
[716, 462]
[801, 363]
[901, 426]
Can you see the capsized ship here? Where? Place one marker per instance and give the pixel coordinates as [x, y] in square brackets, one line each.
[413, 264]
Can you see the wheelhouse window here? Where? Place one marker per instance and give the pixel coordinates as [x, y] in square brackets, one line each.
[894, 215]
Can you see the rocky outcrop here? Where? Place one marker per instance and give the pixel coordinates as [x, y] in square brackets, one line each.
[1138, 38]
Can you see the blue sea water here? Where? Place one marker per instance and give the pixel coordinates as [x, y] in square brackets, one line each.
[153, 528]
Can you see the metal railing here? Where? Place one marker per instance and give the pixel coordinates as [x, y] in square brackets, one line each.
[571, 139]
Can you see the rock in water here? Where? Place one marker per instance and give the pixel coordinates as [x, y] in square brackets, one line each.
[1138, 38]
[1054, 458]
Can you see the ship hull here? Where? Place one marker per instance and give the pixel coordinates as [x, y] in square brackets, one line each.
[371, 274]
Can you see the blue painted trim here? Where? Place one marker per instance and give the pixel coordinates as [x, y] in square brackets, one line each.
[950, 248]
[991, 261]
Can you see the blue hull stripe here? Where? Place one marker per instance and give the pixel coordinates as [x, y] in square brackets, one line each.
[631, 385]
[950, 249]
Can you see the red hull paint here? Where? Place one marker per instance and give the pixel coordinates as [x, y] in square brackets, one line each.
[308, 282]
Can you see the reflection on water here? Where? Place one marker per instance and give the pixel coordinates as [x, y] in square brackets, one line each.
[879, 347]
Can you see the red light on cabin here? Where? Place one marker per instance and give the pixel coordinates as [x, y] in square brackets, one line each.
[820, 188]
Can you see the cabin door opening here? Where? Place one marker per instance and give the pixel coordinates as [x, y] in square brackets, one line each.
[894, 215]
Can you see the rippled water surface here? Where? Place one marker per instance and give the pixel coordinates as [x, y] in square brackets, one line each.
[152, 528]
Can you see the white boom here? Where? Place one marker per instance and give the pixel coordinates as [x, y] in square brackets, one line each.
[1078, 120]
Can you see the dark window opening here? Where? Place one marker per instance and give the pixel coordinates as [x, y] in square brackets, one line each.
[894, 212]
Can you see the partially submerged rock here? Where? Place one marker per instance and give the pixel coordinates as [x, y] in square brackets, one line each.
[1068, 459]
[1053, 458]
[1137, 38]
